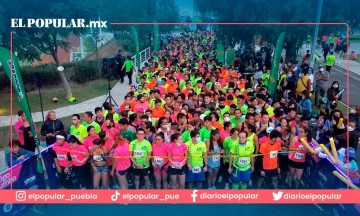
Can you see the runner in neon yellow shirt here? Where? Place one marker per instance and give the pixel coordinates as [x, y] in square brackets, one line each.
[77, 129]
[197, 160]
[141, 150]
[206, 131]
[240, 162]
[229, 141]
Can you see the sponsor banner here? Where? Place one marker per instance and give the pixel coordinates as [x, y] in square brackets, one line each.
[48, 157]
[7, 178]
[24, 176]
[180, 196]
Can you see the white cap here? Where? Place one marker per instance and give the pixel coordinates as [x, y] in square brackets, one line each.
[202, 116]
[269, 129]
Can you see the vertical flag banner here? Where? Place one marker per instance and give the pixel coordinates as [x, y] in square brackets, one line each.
[156, 38]
[12, 70]
[135, 37]
[221, 52]
[275, 64]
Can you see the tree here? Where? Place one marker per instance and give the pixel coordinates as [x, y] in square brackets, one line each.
[257, 11]
[31, 43]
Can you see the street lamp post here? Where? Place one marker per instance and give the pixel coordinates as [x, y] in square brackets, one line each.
[316, 31]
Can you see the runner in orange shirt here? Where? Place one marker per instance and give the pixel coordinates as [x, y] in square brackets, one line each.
[158, 111]
[172, 85]
[270, 166]
[215, 121]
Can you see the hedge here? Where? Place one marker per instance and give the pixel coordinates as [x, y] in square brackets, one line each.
[79, 72]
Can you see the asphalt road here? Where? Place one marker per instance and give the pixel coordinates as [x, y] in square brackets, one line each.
[339, 74]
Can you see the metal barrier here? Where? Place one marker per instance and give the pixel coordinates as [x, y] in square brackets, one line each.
[143, 56]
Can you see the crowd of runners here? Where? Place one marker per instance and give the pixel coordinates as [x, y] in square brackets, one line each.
[192, 122]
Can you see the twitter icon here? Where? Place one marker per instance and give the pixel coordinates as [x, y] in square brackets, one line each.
[277, 196]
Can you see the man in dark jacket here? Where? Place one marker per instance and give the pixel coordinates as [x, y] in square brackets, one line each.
[119, 60]
[51, 127]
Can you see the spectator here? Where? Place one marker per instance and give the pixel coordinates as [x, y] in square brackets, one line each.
[16, 154]
[51, 127]
[332, 95]
[24, 133]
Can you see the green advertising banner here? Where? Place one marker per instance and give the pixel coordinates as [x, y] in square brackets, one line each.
[230, 57]
[12, 70]
[221, 53]
[275, 64]
[156, 38]
[135, 37]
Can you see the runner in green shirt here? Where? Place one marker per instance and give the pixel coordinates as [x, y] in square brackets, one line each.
[77, 129]
[330, 61]
[240, 161]
[128, 65]
[186, 134]
[236, 119]
[206, 131]
[140, 150]
[88, 121]
[266, 77]
[127, 132]
[230, 141]
[197, 160]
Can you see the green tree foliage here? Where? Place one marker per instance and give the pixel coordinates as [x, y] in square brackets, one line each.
[277, 11]
[31, 43]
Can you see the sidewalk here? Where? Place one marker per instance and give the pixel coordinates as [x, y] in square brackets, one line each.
[354, 67]
[118, 92]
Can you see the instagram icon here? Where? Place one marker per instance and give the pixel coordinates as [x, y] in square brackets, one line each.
[20, 196]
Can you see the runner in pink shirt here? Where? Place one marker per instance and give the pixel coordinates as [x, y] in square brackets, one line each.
[62, 160]
[177, 160]
[160, 153]
[121, 160]
[143, 105]
[88, 141]
[79, 156]
[115, 127]
[109, 144]
[226, 131]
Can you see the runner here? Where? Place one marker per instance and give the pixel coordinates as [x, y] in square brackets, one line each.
[88, 121]
[215, 150]
[230, 141]
[121, 160]
[126, 131]
[160, 152]
[197, 156]
[241, 163]
[297, 156]
[79, 156]
[62, 160]
[140, 150]
[270, 166]
[77, 129]
[88, 141]
[178, 154]
[99, 163]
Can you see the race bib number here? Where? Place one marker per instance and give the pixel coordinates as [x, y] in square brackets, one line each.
[243, 161]
[176, 164]
[159, 161]
[138, 153]
[61, 157]
[299, 155]
[73, 157]
[216, 158]
[196, 169]
[98, 158]
[273, 154]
